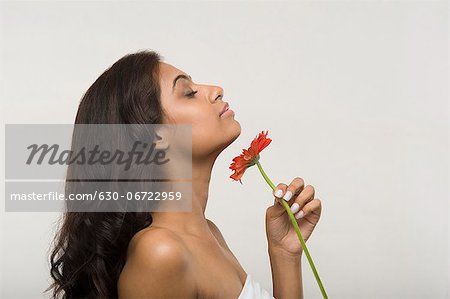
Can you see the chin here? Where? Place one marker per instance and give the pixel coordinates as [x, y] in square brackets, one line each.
[233, 134]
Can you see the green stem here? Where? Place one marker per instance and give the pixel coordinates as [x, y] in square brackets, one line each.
[297, 229]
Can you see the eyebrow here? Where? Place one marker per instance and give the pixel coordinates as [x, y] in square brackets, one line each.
[181, 76]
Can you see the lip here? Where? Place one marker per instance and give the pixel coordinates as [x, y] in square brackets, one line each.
[224, 109]
[228, 112]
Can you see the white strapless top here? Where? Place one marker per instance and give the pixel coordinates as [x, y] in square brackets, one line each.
[253, 290]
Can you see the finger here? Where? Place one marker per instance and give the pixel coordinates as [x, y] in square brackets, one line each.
[314, 207]
[302, 199]
[277, 209]
[306, 195]
[293, 190]
[279, 191]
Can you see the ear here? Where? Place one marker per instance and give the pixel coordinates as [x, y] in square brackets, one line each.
[162, 140]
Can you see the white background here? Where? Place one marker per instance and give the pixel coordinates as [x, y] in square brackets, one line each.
[354, 95]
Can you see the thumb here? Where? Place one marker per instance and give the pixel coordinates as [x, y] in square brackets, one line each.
[275, 210]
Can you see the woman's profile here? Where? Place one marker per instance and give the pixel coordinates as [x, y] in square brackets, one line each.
[172, 254]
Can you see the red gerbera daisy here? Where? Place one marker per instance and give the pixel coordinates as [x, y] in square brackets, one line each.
[249, 156]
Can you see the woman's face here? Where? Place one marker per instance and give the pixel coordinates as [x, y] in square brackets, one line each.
[186, 102]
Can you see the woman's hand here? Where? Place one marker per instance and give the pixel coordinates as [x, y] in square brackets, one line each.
[280, 231]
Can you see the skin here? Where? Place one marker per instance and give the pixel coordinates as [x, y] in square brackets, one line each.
[183, 254]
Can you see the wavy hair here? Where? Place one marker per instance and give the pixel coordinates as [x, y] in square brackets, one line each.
[89, 248]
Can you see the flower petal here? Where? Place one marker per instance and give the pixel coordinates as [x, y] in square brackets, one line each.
[250, 156]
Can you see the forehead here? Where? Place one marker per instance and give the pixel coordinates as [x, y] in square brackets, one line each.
[168, 72]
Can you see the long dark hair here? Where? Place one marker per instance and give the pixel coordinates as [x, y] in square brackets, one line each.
[89, 249]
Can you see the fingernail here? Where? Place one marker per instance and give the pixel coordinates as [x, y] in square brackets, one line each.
[287, 196]
[295, 207]
[299, 215]
[278, 193]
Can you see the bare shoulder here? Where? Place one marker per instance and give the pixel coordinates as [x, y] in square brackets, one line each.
[157, 260]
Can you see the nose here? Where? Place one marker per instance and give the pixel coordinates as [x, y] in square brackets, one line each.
[216, 93]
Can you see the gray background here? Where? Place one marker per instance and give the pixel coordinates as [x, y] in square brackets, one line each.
[354, 95]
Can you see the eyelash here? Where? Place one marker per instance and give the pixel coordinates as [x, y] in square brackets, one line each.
[191, 94]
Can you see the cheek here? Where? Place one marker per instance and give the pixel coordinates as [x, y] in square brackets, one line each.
[205, 127]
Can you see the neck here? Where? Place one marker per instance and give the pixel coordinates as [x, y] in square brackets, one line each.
[194, 222]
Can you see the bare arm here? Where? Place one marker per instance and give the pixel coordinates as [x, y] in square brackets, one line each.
[286, 274]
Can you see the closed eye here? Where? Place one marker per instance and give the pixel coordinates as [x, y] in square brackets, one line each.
[191, 94]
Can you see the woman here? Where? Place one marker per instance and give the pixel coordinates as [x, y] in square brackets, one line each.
[172, 254]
